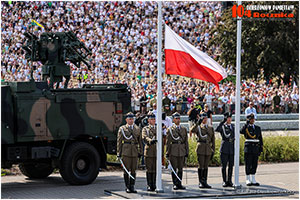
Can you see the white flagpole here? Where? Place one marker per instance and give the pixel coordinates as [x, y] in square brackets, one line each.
[159, 105]
[237, 105]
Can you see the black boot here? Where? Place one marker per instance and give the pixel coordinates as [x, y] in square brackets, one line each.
[200, 176]
[149, 181]
[175, 181]
[153, 181]
[229, 182]
[126, 180]
[202, 179]
[205, 179]
[180, 183]
[225, 183]
[132, 182]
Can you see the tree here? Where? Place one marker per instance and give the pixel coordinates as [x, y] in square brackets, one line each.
[271, 45]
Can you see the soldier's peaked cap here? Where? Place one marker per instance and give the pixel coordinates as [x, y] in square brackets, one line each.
[227, 114]
[129, 115]
[176, 115]
[250, 116]
[151, 115]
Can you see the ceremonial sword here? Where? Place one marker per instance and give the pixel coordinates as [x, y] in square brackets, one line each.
[125, 168]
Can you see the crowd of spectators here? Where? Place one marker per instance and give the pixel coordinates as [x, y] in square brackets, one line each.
[123, 39]
[179, 95]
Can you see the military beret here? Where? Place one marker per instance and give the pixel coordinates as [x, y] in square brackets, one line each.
[151, 115]
[176, 115]
[250, 116]
[129, 115]
[227, 114]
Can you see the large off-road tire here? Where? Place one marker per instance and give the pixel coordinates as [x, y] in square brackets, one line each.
[36, 170]
[80, 164]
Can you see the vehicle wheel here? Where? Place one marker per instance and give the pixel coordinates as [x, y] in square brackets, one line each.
[80, 164]
[36, 170]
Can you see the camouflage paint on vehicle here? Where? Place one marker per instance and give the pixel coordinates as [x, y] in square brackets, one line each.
[44, 114]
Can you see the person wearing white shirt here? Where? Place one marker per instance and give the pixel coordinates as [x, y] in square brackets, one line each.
[250, 110]
[295, 100]
[208, 98]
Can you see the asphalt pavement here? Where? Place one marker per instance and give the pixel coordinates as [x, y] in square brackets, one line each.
[282, 175]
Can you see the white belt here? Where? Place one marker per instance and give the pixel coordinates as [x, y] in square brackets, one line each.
[251, 140]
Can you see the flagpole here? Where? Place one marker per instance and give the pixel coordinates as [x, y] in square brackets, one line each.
[159, 105]
[237, 105]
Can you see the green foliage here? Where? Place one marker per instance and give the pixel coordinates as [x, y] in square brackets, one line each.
[276, 149]
[271, 45]
[112, 158]
[5, 172]
[230, 78]
[280, 149]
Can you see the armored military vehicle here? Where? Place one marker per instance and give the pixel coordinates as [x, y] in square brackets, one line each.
[72, 130]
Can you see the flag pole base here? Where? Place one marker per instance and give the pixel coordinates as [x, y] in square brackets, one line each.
[159, 190]
[238, 186]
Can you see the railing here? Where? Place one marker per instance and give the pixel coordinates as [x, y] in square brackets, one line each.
[267, 122]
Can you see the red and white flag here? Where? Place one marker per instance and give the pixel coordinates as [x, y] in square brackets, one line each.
[182, 58]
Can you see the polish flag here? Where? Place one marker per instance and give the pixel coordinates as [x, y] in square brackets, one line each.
[182, 58]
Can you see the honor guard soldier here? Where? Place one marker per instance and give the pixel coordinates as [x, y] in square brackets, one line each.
[226, 129]
[149, 138]
[129, 148]
[205, 148]
[177, 149]
[253, 148]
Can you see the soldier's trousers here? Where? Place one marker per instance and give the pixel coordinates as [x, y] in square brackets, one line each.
[251, 160]
[227, 158]
[177, 162]
[130, 163]
[203, 161]
[150, 164]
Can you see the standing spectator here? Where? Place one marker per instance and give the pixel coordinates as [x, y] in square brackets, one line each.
[193, 117]
[153, 101]
[276, 103]
[250, 110]
[268, 104]
[167, 110]
[184, 104]
[208, 99]
[173, 99]
[166, 101]
[143, 103]
[209, 115]
[232, 103]
[295, 101]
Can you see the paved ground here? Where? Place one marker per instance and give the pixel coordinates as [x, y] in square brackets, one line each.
[283, 175]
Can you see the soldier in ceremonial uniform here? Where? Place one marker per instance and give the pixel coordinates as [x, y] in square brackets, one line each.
[177, 149]
[129, 149]
[253, 148]
[205, 148]
[150, 140]
[226, 130]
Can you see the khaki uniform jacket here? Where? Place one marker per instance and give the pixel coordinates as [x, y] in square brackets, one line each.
[130, 143]
[205, 144]
[177, 141]
[149, 133]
